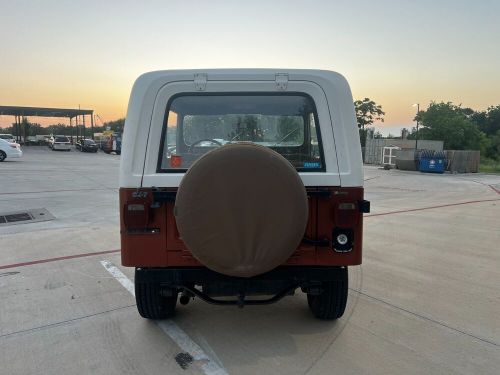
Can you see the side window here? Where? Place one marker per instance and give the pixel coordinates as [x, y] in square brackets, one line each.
[314, 136]
[171, 135]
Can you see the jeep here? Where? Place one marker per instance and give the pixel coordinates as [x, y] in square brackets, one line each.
[240, 187]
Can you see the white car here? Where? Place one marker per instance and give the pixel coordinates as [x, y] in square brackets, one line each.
[8, 137]
[9, 150]
[60, 142]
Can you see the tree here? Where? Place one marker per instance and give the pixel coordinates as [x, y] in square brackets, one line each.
[367, 111]
[36, 129]
[453, 125]
[116, 126]
[7, 130]
[25, 128]
[58, 129]
[488, 121]
[493, 150]
[249, 129]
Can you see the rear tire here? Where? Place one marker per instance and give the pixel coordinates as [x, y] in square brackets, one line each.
[331, 303]
[3, 156]
[152, 305]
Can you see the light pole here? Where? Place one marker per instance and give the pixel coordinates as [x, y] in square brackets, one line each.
[416, 134]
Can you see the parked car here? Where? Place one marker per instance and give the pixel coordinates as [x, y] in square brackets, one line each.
[236, 184]
[59, 142]
[112, 143]
[8, 137]
[86, 145]
[9, 150]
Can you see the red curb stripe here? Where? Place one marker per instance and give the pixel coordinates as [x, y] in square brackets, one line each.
[494, 189]
[15, 265]
[432, 207]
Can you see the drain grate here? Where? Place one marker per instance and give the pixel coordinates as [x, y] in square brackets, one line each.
[17, 217]
[26, 216]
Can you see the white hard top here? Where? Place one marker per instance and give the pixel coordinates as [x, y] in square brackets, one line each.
[151, 92]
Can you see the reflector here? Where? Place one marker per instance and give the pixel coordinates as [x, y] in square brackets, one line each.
[136, 215]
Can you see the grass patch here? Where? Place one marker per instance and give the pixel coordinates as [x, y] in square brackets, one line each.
[489, 166]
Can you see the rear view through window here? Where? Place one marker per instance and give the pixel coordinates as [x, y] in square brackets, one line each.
[196, 124]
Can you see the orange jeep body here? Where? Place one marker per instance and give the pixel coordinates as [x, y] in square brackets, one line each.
[159, 244]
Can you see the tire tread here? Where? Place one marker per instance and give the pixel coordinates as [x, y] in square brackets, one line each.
[150, 304]
[332, 302]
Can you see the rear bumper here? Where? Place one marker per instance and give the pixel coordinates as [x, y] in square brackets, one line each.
[206, 284]
[200, 275]
[56, 146]
[15, 154]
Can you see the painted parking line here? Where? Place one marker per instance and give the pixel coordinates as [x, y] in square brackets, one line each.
[210, 367]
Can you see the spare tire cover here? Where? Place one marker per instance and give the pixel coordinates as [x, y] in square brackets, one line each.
[241, 209]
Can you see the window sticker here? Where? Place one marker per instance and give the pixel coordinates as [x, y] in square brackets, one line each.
[176, 161]
[312, 165]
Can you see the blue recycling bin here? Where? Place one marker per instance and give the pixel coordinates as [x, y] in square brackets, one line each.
[432, 161]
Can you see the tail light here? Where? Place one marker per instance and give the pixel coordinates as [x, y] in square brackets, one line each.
[136, 215]
[347, 214]
[347, 217]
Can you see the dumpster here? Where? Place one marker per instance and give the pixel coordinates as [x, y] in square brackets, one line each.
[406, 161]
[431, 161]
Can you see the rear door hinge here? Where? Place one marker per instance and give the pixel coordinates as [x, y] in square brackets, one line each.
[281, 81]
[200, 81]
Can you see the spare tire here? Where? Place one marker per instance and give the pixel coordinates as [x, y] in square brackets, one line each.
[241, 209]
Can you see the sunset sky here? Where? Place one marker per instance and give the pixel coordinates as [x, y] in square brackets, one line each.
[88, 53]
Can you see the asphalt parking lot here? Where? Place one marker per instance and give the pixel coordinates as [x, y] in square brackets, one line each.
[425, 301]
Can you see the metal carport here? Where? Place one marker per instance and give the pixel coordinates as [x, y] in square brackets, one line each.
[20, 112]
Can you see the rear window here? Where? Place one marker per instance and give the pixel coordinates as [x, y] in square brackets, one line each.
[61, 139]
[196, 124]
[89, 142]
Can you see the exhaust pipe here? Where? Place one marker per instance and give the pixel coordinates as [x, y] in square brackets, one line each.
[185, 298]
